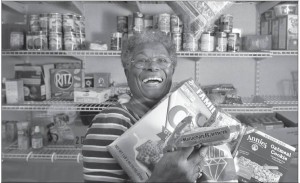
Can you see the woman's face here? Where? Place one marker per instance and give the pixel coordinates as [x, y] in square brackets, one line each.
[150, 73]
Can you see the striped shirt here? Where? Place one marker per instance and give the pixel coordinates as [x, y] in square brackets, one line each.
[108, 125]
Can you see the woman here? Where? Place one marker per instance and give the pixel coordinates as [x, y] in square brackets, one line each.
[149, 61]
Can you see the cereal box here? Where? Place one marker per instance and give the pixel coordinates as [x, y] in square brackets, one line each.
[262, 158]
[138, 150]
[63, 82]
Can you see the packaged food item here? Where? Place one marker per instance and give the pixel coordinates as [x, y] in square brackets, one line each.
[34, 89]
[55, 22]
[176, 24]
[37, 138]
[101, 80]
[122, 24]
[116, 41]
[207, 41]
[190, 42]
[91, 95]
[226, 23]
[143, 148]
[14, 91]
[221, 40]
[286, 9]
[55, 41]
[10, 129]
[138, 22]
[16, 40]
[79, 24]
[23, 135]
[68, 22]
[34, 23]
[44, 22]
[148, 21]
[80, 39]
[73, 65]
[164, 20]
[40, 40]
[70, 42]
[233, 42]
[29, 41]
[266, 27]
[275, 34]
[257, 43]
[261, 157]
[288, 32]
[63, 82]
[177, 40]
[88, 82]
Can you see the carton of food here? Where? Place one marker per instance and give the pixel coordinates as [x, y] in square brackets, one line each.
[141, 146]
[14, 91]
[261, 157]
[288, 32]
[63, 82]
[91, 95]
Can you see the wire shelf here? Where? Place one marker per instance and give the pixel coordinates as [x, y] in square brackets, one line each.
[284, 52]
[225, 54]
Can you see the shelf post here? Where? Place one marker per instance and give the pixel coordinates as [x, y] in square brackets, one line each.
[257, 77]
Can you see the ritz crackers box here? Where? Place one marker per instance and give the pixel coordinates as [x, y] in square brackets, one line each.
[261, 157]
[140, 147]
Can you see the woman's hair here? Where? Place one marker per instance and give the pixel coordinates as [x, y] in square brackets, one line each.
[147, 36]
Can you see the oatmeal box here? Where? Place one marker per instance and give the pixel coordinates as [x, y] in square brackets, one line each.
[141, 147]
[262, 158]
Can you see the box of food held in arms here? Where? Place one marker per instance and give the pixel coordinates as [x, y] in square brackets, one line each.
[63, 82]
[140, 147]
[261, 157]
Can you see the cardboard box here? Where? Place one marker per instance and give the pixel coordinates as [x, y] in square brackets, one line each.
[14, 91]
[130, 150]
[91, 95]
[266, 27]
[288, 32]
[101, 80]
[34, 89]
[275, 34]
[28, 71]
[63, 82]
[257, 42]
[288, 135]
[262, 158]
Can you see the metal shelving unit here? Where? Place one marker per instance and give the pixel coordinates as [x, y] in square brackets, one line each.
[263, 54]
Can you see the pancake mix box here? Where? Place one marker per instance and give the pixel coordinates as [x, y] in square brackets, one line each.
[261, 157]
[141, 146]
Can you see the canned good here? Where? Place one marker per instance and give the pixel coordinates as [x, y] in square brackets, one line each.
[44, 22]
[70, 42]
[122, 24]
[55, 41]
[138, 22]
[79, 24]
[55, 22]
[40, 40]
[116, 41]
[176, 24]
[164, 22]
[221, 41]
[226, 23]
[233, 42]
[16, 40]
[177, 40]
[190, 42]
[207, 41]
[34, 23]
[148, 21]
[68, 23]
[29, 41]
[80, 38]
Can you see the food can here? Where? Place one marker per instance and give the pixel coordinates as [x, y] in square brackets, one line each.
[16, 40]
[29, 41]
[148, 21]
[70, 42]
[116, 41]
[155, 21]
[190, 42]
[55, 22]
[34, 23]
[40, 40]
[80, 38]
[221, 41]
[233, 42]
[68, 23]
[164, 22]
[207, 41]
[44, 22]
[177, 40]
[79, 24]
[226, 23]
[138, 22]
[122, 24]
[55, 41]
[176, 24]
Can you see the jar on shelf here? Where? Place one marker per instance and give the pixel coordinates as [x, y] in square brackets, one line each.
[68, 23]
[177, 40]
[122, 24]
[226, 23]
[80, 39]
[55, 41]
[55, 22]
[164, 20]
[70, 42]
[176, 24]
[207, 41]
[34, 23]
[221, 41]
[29, 41]
[138, 22]
[16, 40]
[44, 21]
[40, 40]
[233, 42]
[190, 42]
[116, 41]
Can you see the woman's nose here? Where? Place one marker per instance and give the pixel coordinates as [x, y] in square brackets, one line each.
[153, 66]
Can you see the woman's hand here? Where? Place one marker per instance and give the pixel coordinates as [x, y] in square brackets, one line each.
[182, 165]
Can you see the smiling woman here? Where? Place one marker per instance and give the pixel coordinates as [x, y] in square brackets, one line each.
[149, 60]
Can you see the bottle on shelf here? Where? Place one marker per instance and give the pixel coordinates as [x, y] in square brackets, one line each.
[37, 138]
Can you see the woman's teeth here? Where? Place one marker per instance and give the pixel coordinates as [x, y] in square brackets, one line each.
[152, 80]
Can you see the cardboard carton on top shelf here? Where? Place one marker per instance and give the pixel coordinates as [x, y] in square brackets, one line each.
[288, 32]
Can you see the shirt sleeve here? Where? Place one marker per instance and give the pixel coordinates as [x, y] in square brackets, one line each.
[98, 164]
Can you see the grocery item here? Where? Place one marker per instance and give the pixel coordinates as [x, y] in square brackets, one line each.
[70, 42]
[101, 80]
[10, 130]
[226, 23]
[257, 42]
[29, 41]
[91, 95]
[221, 42]
[23, 135]
[55, 41]
[207, 41]
[190, 42]
[138, 22]
[68, 22]
[122, 24]
[288, 32]
[16, 40]
[34, 23]
[148, 21]
[14, 91]
[34, 89]
[37, 138]
[176, 24]
[275, 34]
[116, 41]
[286, 9]
[266, 27]
[233, 42]
[164, 20]
[55, 22]
[79, 24]
[177, 40]
[262, 158]
[88, 81]
[44, 22]
[80, 41]
[40, 40]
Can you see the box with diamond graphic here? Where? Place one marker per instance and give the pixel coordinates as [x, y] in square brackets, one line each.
[262, 158]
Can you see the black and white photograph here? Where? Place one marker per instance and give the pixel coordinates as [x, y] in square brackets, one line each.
[149, 91]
